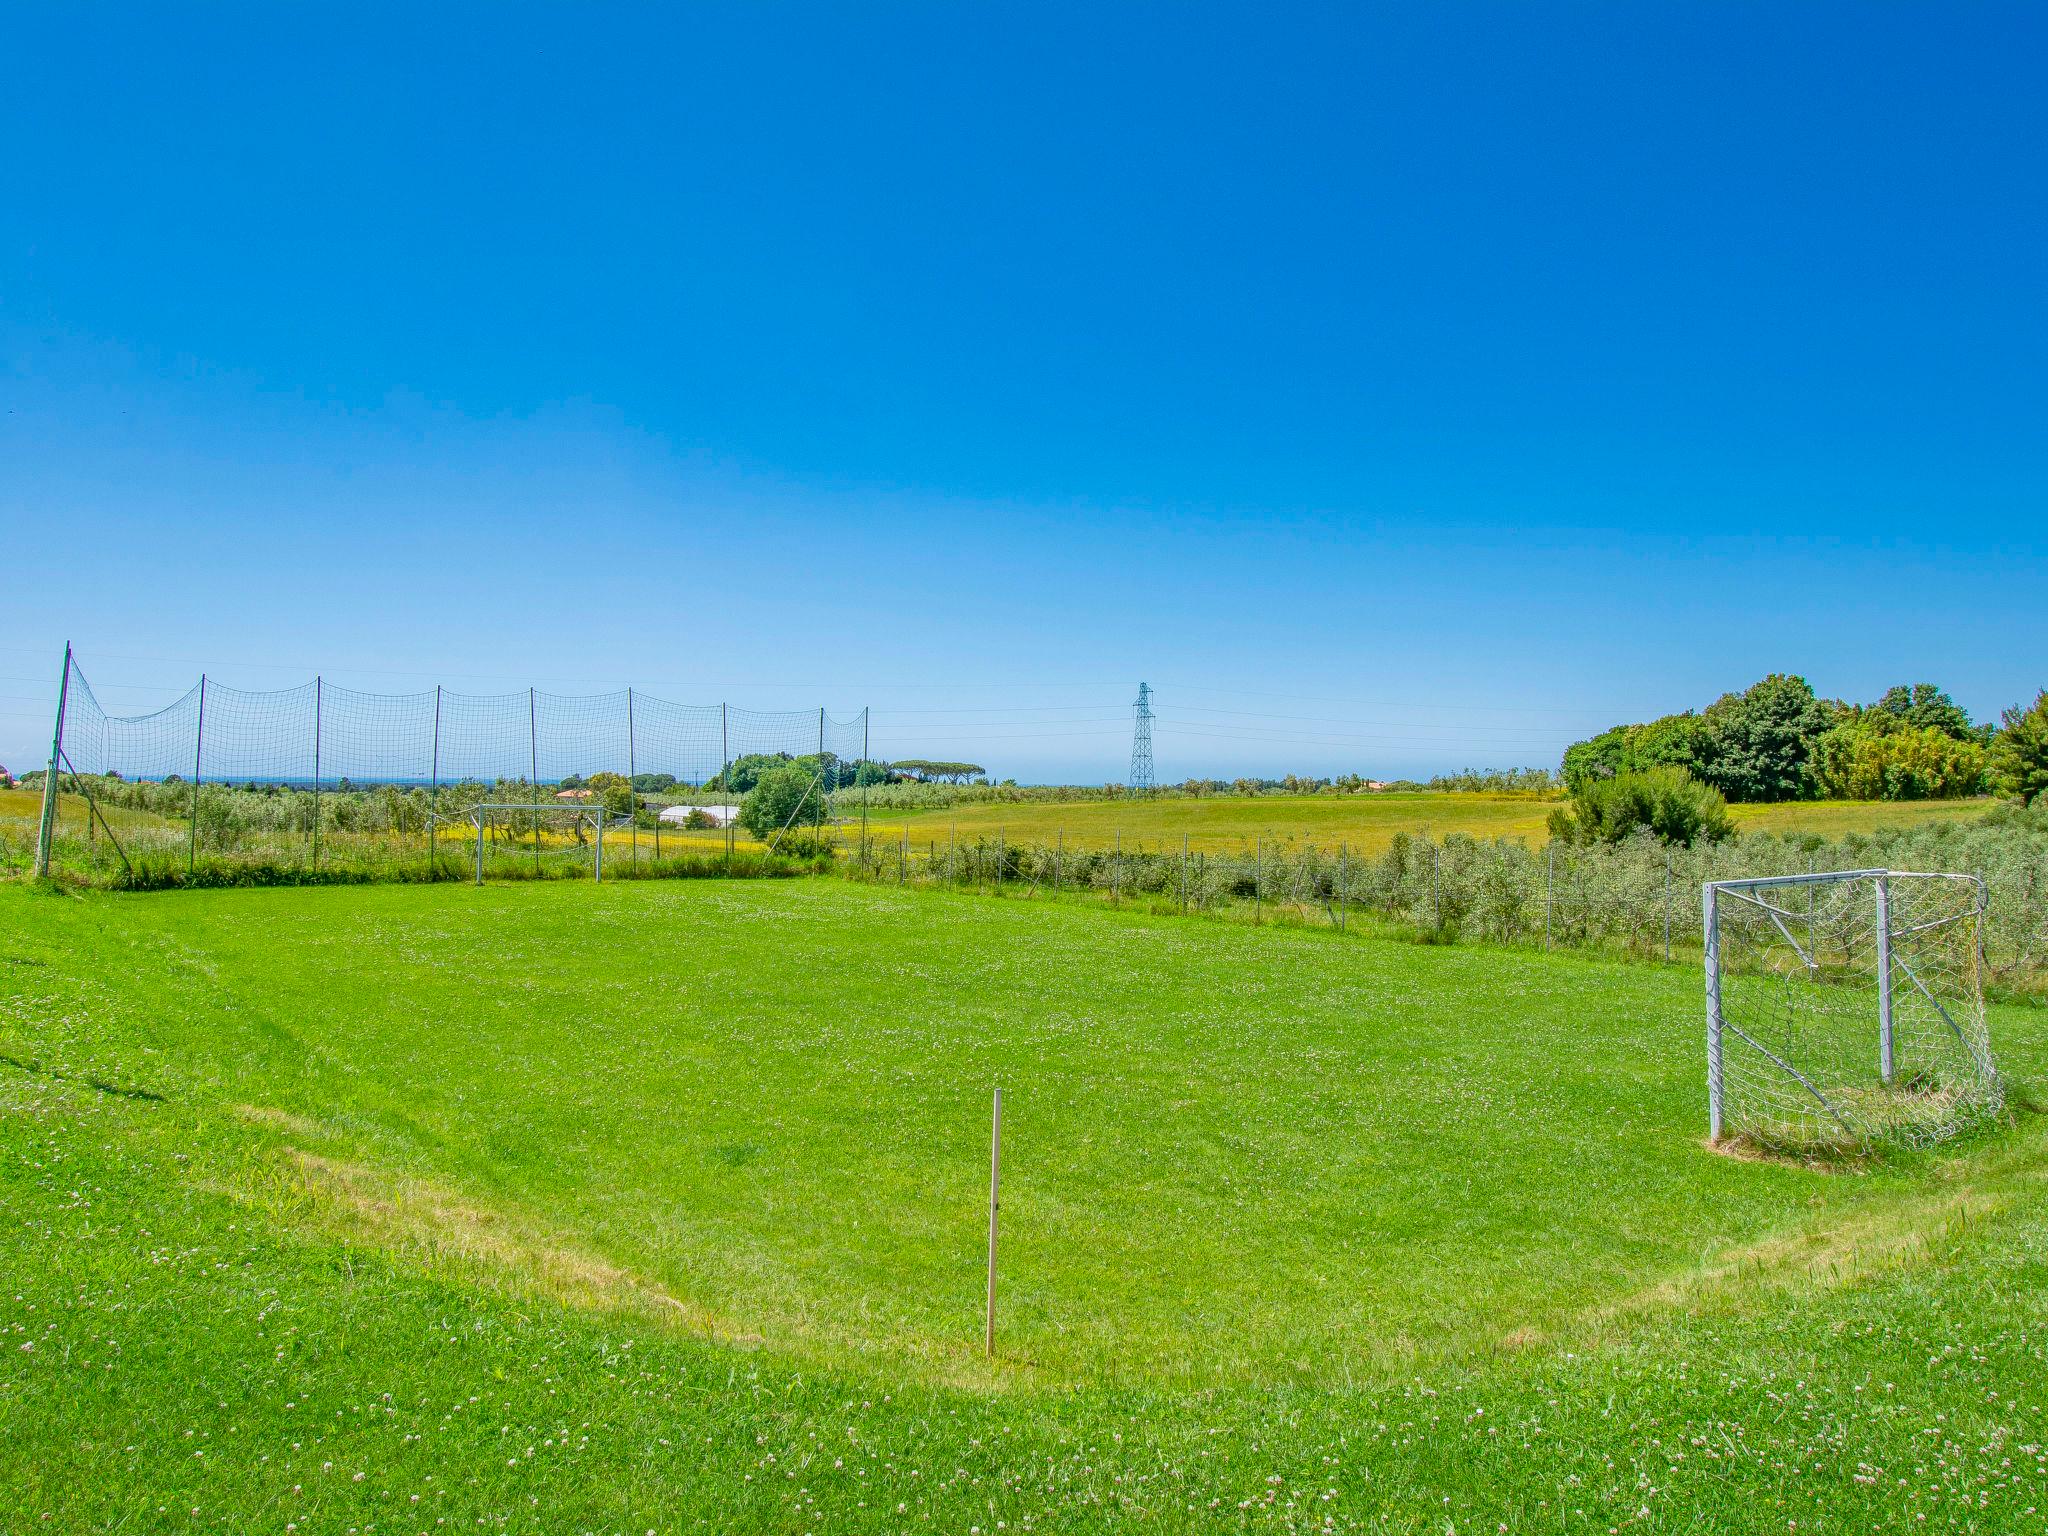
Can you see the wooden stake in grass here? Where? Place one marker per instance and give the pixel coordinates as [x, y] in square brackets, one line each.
[995, 1179]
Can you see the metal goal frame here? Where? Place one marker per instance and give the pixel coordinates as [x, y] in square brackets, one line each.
[594, 815]
[1795, 984]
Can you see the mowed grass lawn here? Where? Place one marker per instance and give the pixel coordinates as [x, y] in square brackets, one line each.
[663, 1207]
[1365, 823]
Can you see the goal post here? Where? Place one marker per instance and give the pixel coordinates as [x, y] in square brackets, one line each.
[583, 821]
[1845, 1010]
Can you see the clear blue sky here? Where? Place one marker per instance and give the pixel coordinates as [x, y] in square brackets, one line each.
[1394, 389]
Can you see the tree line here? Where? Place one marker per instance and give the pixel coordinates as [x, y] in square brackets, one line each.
[1777, 740]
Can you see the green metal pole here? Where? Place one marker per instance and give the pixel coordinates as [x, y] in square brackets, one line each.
[47, 836]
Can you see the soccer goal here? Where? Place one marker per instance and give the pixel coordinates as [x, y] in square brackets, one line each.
[1846, 1010]
[549, 833]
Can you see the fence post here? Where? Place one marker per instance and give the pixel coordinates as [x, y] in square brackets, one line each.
[1884, 978]
[1710, 926]
[1258, 878]
[1436, 887]
[861, 774]
[903, 859]
[632, 768]
[533, 775]
[46, 837]
[478, 817]
[1183, 874]
[198, 746]
[319, 694]
[1343, 886]
[999, 861]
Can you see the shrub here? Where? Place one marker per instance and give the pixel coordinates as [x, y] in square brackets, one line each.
[1669, 801]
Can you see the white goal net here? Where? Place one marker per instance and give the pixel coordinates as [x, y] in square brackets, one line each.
[1846, 1010]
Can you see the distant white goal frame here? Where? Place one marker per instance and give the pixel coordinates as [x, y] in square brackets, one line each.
[575, 812]
[1899, 957]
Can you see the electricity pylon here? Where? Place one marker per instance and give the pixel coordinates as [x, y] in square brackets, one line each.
[1141, 742]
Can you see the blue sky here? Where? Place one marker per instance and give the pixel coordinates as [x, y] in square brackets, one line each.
[1394, 389]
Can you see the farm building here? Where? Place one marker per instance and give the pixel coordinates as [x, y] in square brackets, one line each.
[720, 815]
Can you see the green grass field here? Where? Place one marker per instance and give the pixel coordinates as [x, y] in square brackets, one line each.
[662, 1207]
[1366, 823]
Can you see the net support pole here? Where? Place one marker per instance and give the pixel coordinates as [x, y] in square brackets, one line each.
[822, 791]
[1884, 979]
[198, 746]
[632, 772]
[861, 773]
[318, 697]
[434, 800]
[533, 771]
[46, 834]
[725, 777]
[1711, 928]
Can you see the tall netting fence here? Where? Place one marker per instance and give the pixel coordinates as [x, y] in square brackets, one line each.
[437, 783]
[1845, 1010]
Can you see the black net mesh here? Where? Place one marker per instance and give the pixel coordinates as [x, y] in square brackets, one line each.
[292, 774]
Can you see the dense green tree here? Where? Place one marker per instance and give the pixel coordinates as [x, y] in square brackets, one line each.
[2019, 753]
[1756, 745]
[747, 770]
[782, 796]
[1926, 707]
[926, 770]
[1670, 742]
